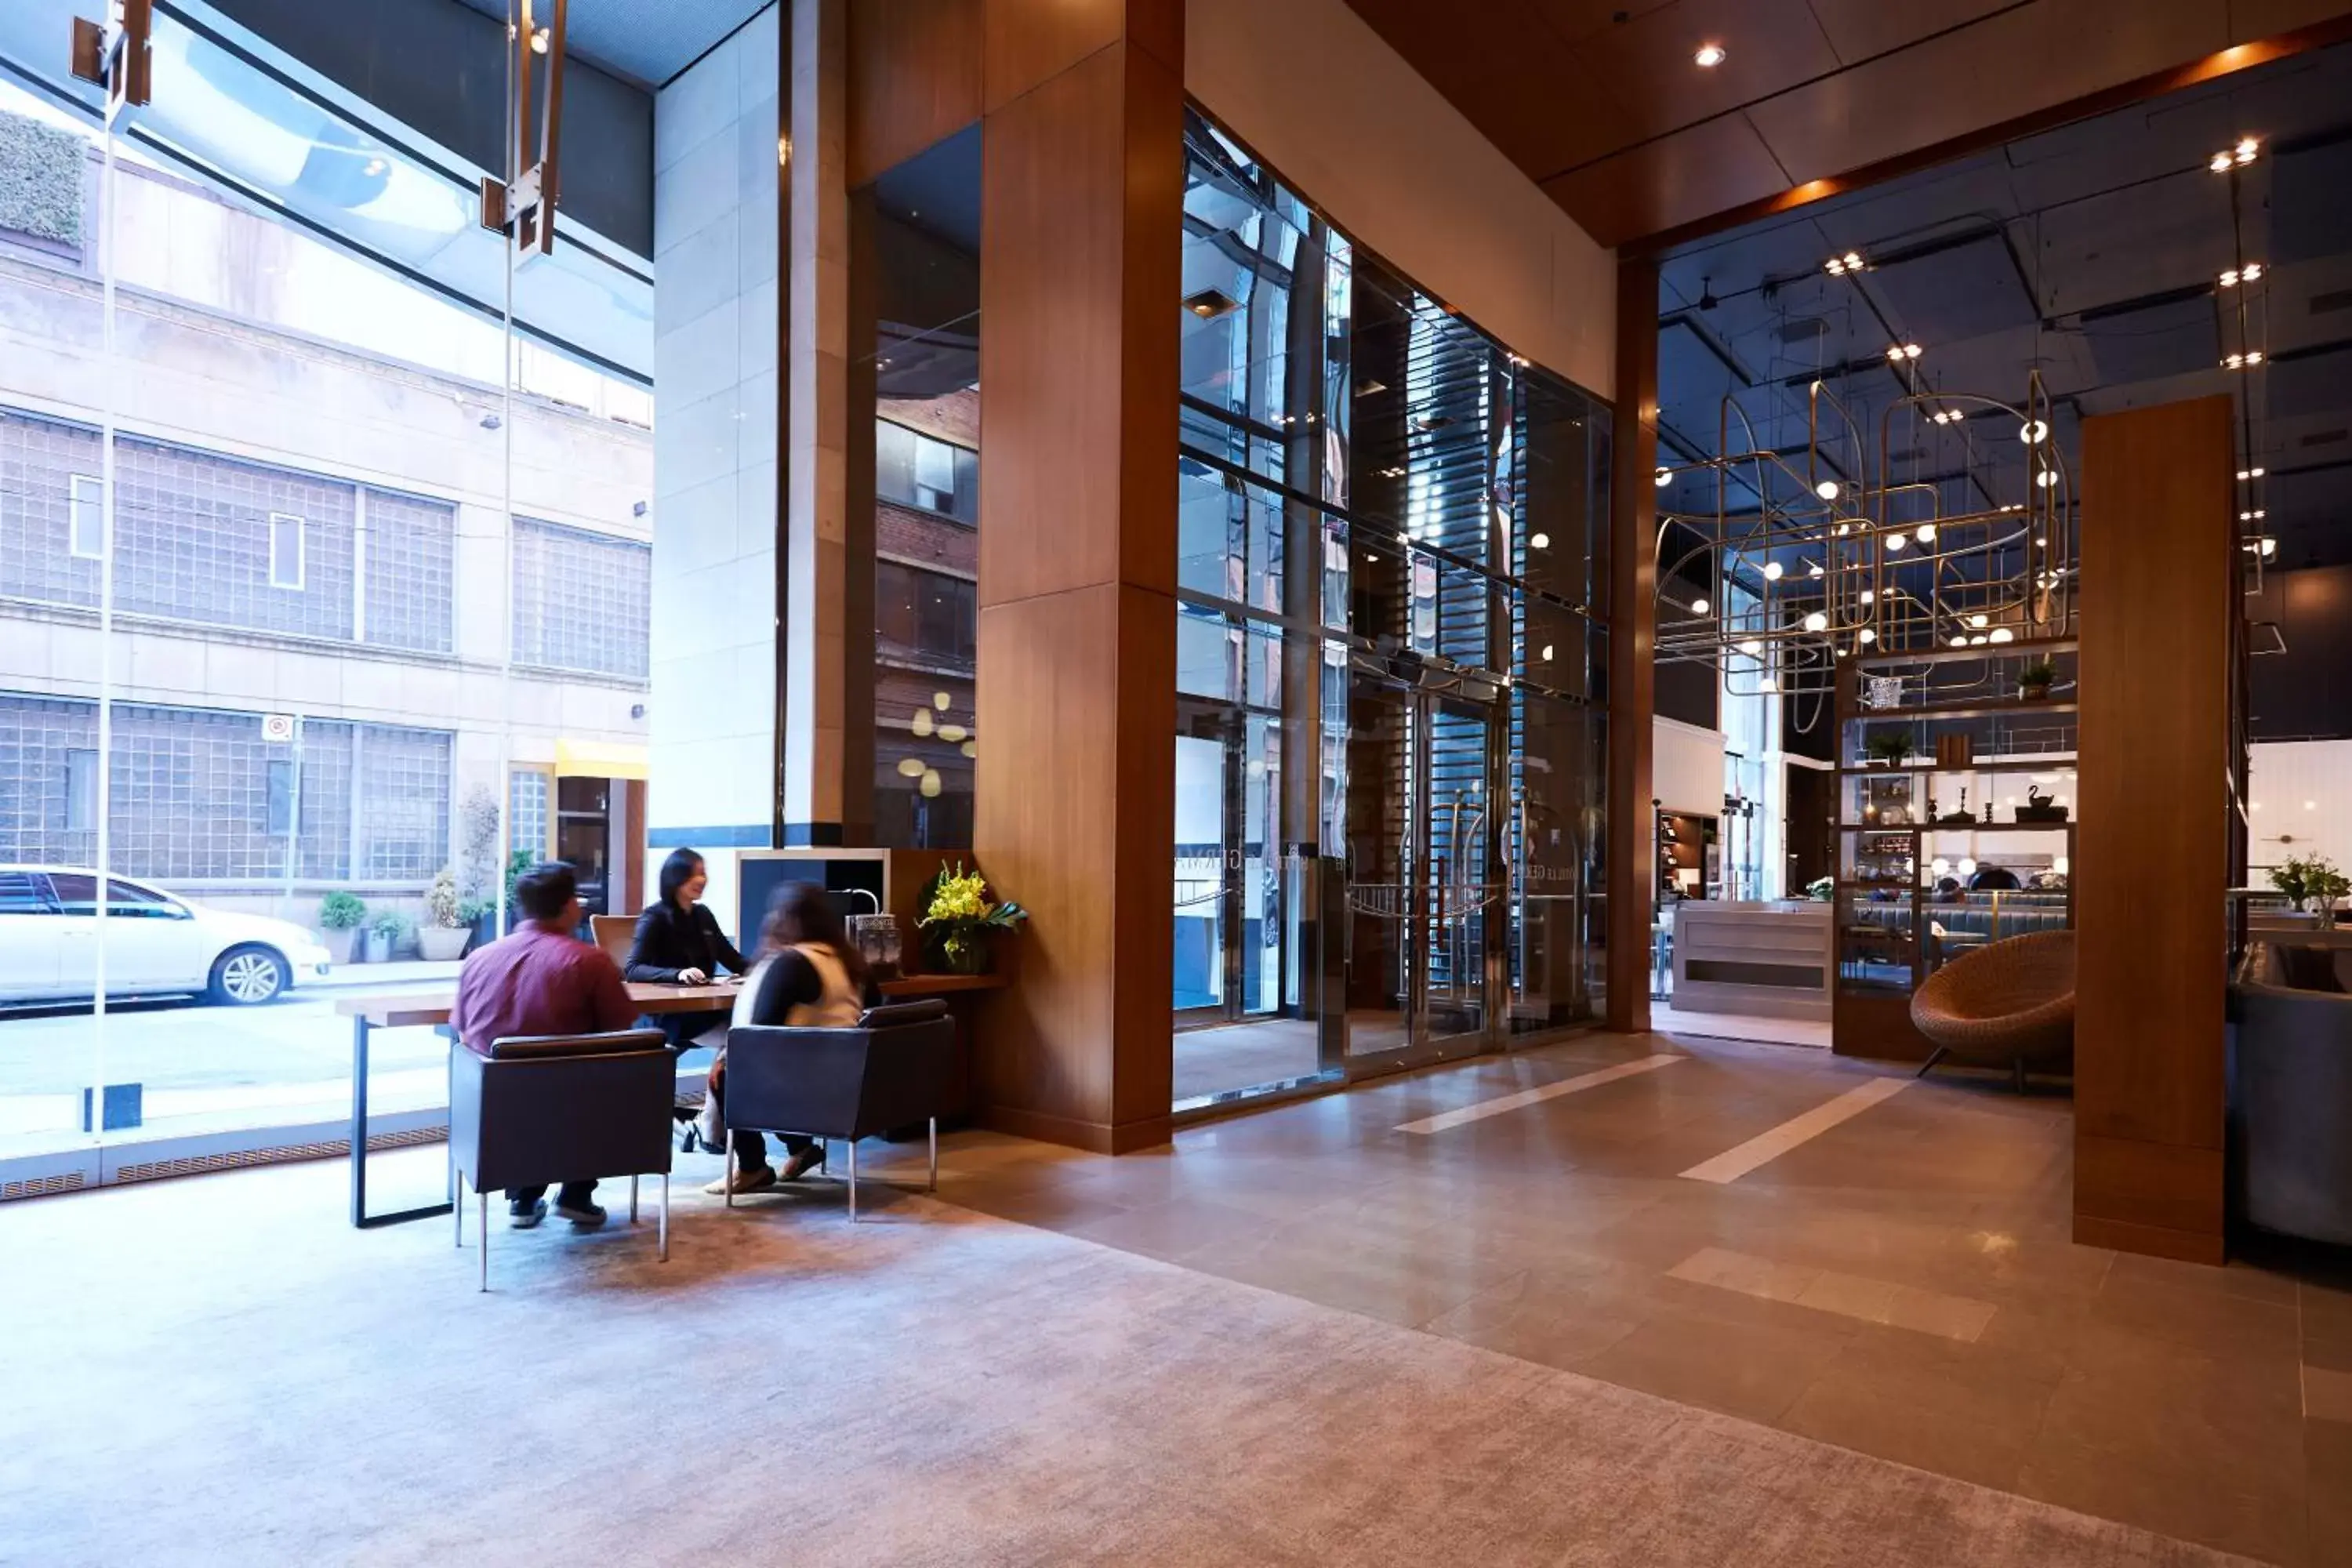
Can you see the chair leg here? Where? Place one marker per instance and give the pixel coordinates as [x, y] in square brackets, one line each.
[935, 1155]
[485, 1199]
[853, 1181]
[665, 1217]
[632, 1200]
[1932, 1058]
[457, 1203]
[730, 1172]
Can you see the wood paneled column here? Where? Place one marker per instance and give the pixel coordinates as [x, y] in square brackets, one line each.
[1081, 235]
[2160, 580]
[1632, 636]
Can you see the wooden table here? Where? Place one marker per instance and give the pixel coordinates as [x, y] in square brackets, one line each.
[416, 1009]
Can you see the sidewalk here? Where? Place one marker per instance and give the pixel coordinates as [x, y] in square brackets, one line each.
[408, 972]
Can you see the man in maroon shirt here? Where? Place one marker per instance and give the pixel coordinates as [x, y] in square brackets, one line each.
[540, 980]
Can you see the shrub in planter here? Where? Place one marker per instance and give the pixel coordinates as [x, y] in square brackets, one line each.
[385, 934]
[341, 916]
[443, 935]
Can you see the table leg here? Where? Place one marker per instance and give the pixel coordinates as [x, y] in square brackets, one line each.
[360, 1029]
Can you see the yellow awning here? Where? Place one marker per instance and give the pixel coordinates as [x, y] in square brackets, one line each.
[599, 760]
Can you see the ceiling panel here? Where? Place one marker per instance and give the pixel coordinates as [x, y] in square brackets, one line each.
[648, 40]
[1772, 46]
[1858, 29]
[1966, 289]
[1718, 165]
[1514, 98]
[2142, 240]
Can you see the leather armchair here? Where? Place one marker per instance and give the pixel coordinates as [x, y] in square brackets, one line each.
[2290, 1092]
[558, 1108]
[896, 1068]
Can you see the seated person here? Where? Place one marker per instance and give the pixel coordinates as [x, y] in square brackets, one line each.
[679, 942]
[808, 976]
[541, 980]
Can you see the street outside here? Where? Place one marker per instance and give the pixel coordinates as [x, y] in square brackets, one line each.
[208, 1069]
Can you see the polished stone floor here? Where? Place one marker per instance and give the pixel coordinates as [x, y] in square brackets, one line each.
[1230, 1057]
[1811, 1243]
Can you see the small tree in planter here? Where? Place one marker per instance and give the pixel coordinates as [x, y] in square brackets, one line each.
[443, 935]
[2034, 680]
[340, 915]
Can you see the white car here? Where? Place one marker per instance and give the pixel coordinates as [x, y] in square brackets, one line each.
[156, 945]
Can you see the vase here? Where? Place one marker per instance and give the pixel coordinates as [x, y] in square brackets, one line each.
[965, 951]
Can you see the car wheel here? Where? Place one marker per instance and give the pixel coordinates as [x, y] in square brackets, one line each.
[245, 976]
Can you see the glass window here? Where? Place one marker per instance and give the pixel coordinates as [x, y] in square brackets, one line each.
[81, 791]
[77, 894]
[89, 516]
[21, 894]
[926, 614]
[583, 601]
[285, 551]
[280, 805]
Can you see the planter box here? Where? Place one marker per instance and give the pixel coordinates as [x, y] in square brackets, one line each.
[340, 943]
[440, 945]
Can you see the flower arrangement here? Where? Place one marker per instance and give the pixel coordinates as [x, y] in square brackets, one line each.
[959, 915]
[2307, 877]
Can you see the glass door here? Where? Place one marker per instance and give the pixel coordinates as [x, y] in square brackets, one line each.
[1425, 903]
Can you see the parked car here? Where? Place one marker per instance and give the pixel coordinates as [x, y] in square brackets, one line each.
[156, 944]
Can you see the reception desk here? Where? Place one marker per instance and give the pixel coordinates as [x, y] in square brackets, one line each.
[1770, 960]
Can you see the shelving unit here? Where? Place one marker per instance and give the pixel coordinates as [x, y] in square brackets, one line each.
[1887, 925]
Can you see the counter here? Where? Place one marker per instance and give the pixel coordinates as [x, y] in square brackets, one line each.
[1774, 960]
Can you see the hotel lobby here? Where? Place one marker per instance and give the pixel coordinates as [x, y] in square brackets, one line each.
[1738, 613]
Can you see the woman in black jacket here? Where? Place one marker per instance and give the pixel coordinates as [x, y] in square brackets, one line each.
[679, 942]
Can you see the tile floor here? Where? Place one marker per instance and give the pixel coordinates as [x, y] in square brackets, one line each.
[1901, 1282]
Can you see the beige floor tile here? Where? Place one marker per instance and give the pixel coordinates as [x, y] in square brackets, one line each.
[1748, 1369]
[1935, 1312]
[1890, 1425]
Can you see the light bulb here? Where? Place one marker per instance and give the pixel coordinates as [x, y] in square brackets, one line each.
[1870, 595]
[1827, 489]
[1539, 541]
[1752, 647]
[1866, 636]
[1666, 477]
[1709, 55]
[1980, 620]
[1817, 622]
[1771, 571]
[1698, 607]
[2046, 477]
[1766, 683]
[1547, 653]
[1895, 542]
[1814, 570]
[2060, 864]
[2002, 634]
[1941, 867]
[2033, 432]
[1927, 533]
[1967, 867]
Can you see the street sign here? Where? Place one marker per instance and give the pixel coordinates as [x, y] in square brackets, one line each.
[278, 727]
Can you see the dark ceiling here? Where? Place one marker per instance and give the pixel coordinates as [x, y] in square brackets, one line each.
[1600, 103]
[2091, 253]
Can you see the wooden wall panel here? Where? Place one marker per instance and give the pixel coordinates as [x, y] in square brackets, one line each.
[1633, 631]
[1081, 243]
[2160, 599]
[1026, 43]
[913, 78]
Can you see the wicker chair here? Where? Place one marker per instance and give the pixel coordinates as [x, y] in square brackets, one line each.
[2009, 1002]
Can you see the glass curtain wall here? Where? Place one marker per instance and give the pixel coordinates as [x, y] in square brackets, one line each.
[915, 471]
[1389, 768]
[324, 593]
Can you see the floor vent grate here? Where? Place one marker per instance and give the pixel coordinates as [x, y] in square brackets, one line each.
[42, 1186]
[284, 1153]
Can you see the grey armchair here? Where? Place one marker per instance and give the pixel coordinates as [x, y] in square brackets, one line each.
[2291, 1088]
[558, 1108]
[894, 1068]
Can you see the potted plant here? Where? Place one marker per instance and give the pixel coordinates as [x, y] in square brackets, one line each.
[2307, 879]
[1889, 748]
[443, 935]
[340, 915]
[2034, 680]
[959, 919]
[1822, 890]
[386, 933]
[478, 916]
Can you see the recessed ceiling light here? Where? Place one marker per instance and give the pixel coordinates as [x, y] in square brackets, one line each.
[1709, 55]
[2246, 149]
[2219, 162]
[1210, 303]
